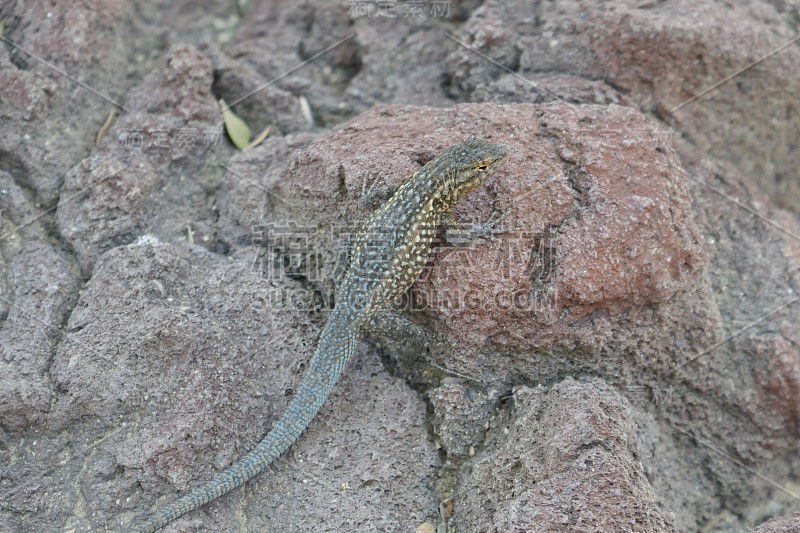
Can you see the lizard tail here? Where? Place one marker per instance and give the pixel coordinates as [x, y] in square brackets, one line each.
[336, 346]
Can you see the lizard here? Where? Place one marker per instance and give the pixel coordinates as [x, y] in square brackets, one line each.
[387, 254]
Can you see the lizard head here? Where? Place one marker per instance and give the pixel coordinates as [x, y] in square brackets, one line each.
[470, 163]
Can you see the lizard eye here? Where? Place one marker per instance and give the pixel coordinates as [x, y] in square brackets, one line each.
[481, 168]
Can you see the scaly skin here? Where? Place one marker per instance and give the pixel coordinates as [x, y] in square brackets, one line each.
[388, 253]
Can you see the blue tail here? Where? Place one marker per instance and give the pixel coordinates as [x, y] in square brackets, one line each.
[335, 347]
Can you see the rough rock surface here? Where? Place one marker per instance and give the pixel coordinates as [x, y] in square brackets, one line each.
[460, 415]
[225, 354]
[48, 118]
[562, 459]
[623, 354]
[156, 169]
[782, 524]
[659, 54]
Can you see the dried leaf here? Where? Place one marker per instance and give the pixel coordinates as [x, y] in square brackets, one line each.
[104, 128]
[305, 108]
[258, 140]
[238, 131]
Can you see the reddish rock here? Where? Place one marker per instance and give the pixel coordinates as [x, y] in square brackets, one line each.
[609, 229]
[560, 459]
[49, 120]
[460, 413]
[153, 170]
[660, 54]
[783, 524]
[623, 249]
[193, 358]
[42, 287]
[609, 258]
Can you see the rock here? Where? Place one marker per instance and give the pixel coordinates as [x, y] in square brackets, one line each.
[606, 269]
[43, 288]
[783, 524]
[47, 116]
[154, 172]
[635, 308]
[560, 459]
[459, 412]
[165, 375]
[659, 54]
